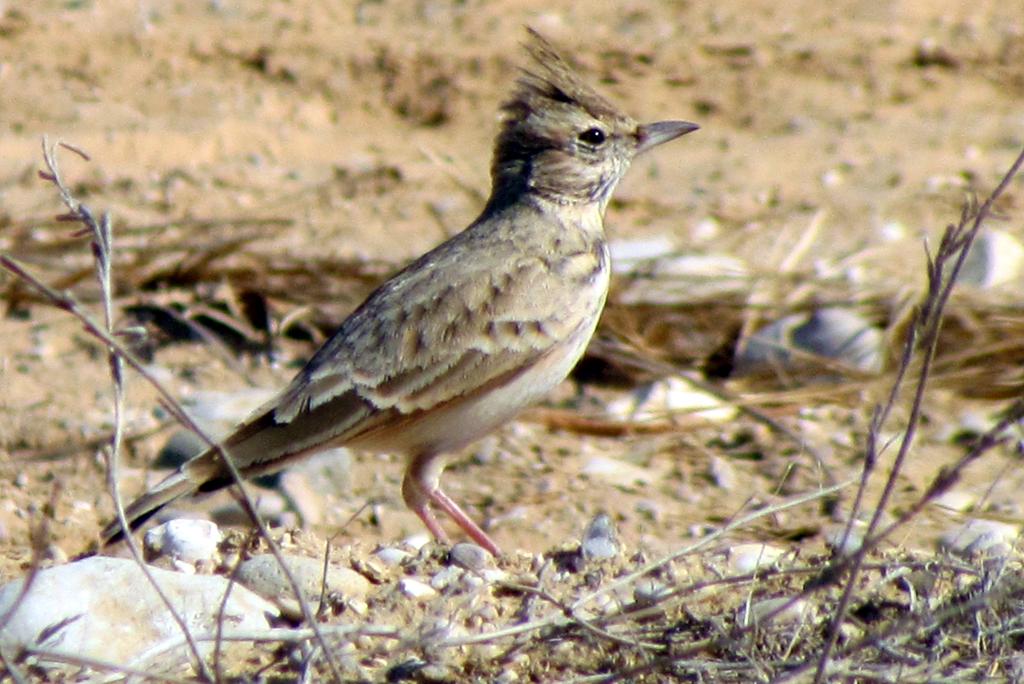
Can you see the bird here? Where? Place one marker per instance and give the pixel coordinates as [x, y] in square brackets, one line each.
[459, 341]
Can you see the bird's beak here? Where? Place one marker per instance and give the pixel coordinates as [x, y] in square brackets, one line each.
[654, 134]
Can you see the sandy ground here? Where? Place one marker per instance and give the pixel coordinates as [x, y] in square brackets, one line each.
[366, 128]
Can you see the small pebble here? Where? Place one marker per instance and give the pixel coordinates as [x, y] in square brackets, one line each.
[760, 610]
[996, 257]
[184, 539]
[708, 228]
[263, 575]
[446, 577]
[670, 397]
[392, 556]
[649, 591]
[980, 537]
[494, 575]
[832, 178]
[414, 588]
[831, 333]
[617, 472]
[435, 673]
[746, 558]
[722, 473]
[845, 543]
[890, 231]
[469, 556]
[599, 540]
[955, 500]
[417, 541]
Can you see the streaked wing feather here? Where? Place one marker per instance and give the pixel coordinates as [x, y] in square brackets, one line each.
[431, 343]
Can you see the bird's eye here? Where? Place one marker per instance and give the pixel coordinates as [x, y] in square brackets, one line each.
[592, 136]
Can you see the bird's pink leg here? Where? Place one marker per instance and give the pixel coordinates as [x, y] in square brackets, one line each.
[445, 503]
[420, 488]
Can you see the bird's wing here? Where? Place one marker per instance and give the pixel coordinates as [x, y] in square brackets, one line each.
[416, 344]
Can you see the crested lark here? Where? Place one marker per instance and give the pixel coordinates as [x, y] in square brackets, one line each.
[460, 340]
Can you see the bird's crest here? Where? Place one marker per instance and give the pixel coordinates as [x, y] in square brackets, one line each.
[552, 84]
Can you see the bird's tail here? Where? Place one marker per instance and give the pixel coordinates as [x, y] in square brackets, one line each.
[175, 486]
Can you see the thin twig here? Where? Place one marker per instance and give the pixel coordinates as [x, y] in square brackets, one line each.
[68, 303]
[281, 636]
[955, 245]
[101, 245]
[569, 614]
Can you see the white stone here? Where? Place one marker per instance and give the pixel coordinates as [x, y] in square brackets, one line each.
[418, 540]
[955, 500]
[599, 539]
[790, 611]
[830, 333]
[672, 396]
[469, 556]
[494, 575]
[706, 229]
[893, 230]
[184, 539]
[105, 608]
[746, 558]
[845, 543]
[649, 591]
[263, 575]
[615, 471]
[722, 473]
[391, 556]
[446, 577]
[980, 537]
[996, 257]
[832, 178]
[414, 588]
